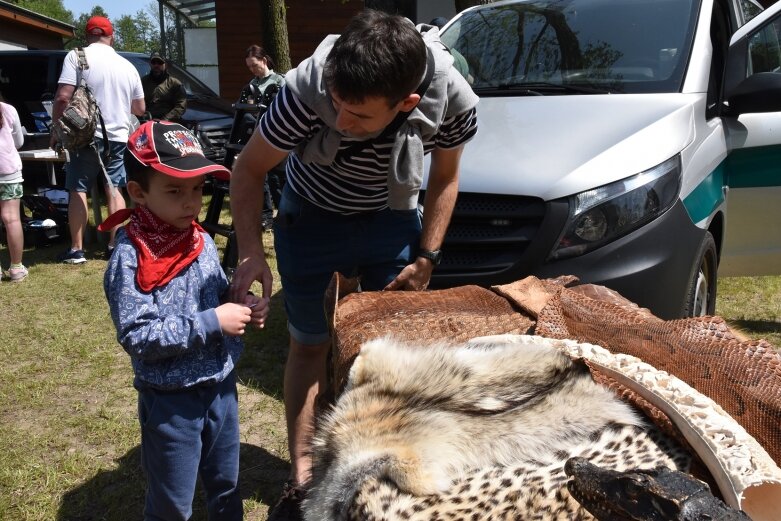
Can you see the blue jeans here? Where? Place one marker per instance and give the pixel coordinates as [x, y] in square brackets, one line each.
[311, 244]
[184, 434]
[84, 169]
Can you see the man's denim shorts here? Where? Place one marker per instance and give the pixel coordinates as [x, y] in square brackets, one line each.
[311, 244]
[84, 169]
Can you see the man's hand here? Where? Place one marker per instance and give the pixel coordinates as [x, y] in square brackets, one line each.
[414, 277]
[260, 309]
[249, 270]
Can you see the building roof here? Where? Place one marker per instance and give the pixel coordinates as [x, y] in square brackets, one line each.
[13, 12]
[193, 10]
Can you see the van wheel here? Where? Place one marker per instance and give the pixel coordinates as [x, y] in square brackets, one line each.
[701, 293]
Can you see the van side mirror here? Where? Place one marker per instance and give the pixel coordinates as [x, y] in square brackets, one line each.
[760, 92]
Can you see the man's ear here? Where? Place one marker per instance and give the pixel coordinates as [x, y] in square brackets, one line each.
[136, 192]
[409, 103]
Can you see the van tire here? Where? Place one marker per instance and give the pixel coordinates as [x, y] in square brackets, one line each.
[701, 290]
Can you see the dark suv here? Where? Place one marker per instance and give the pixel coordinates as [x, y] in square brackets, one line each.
[29, 78]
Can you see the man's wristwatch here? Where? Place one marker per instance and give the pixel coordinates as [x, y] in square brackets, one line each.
[435, 256]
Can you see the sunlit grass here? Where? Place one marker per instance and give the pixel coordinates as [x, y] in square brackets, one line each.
[69, 435]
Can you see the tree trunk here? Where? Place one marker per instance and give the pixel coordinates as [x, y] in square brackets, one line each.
[463, 4]
[276, 39]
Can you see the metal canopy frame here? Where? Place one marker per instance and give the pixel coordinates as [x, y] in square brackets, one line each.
[193, 11]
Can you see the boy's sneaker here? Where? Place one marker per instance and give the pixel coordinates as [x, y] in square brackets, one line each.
[72, 257]
[288, 508]
[17, 274]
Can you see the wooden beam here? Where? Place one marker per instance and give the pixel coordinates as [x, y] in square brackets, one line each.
[32, 22]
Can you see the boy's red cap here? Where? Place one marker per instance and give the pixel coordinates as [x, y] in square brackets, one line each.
[99, 25]
[173, 150]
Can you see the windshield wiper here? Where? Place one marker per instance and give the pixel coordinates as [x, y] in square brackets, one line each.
[538, 89]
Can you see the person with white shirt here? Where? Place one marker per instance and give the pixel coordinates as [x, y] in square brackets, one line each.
[116, 84]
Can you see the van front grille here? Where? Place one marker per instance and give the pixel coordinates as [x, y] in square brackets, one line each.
[488, 235]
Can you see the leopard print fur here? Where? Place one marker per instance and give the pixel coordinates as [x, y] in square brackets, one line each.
[525, 491]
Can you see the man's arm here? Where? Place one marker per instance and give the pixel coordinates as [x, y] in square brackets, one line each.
[61, 98]
[441, 194]
[138, 107]
[179, 97]
[246, 201]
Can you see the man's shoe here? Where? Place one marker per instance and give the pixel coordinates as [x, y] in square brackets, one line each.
[72, 257]
[288, 508]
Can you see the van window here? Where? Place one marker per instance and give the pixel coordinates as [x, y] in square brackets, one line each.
[193, 86]
[619, 45]
[764, 50]
[22, 80]
[749, 9]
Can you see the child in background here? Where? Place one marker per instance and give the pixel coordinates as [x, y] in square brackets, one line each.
[166, 289]
[11, 138]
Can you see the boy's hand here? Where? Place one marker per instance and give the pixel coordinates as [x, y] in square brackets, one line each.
[259, 307]
[233, 318]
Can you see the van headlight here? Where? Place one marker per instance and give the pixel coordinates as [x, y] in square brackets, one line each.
[604, 214]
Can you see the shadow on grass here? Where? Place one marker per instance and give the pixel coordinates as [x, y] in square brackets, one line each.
[261, 366]
[119, 494]
[759, 327]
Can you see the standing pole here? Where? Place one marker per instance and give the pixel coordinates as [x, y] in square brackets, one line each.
[163, 46]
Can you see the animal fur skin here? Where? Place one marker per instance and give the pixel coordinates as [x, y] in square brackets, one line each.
[422, 416]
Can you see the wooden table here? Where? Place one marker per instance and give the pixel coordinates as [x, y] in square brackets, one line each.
[52, 159]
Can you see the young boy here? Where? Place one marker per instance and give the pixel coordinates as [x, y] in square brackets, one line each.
[165, 288]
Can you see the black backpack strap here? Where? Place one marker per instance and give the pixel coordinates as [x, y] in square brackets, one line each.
[401, 117]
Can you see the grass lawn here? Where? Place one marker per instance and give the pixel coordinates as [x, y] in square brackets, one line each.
[69, 436]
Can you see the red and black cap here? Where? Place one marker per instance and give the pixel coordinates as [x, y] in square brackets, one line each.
[172, 149]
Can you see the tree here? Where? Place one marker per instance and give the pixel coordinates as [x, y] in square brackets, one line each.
[276, 38]
[137, 33]
[51, 8]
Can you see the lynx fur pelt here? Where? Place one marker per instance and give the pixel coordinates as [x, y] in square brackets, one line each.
[423, 417]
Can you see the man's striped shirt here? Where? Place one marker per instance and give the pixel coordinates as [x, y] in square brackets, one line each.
[352, 184]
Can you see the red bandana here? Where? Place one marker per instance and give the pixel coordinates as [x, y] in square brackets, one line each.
[163, 250]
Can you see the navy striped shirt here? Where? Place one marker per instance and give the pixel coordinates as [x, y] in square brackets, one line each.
[357, 183]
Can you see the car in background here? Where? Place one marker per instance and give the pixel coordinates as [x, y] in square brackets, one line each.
[634, 144]
[28, 79]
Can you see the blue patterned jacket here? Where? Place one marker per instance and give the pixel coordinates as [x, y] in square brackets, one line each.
[172, 333]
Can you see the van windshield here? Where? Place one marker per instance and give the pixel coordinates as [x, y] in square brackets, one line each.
[574, 46]
[193, 86]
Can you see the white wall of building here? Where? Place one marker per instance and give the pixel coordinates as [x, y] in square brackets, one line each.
[200, 55]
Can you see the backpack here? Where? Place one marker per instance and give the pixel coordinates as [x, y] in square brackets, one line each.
[76, 127]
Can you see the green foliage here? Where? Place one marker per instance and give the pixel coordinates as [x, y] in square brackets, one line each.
[51, 8]
[137, 33]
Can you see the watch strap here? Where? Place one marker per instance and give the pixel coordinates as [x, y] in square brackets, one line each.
[435, 256]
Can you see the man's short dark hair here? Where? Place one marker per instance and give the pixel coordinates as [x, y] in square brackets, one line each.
[377, 55]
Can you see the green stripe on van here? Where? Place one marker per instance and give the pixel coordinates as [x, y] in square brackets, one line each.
[754, 167]
[704, 199]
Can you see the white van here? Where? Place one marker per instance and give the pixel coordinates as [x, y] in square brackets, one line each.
[632, 143]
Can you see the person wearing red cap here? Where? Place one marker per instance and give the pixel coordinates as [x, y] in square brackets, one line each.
[116, 84]
[167, 296]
